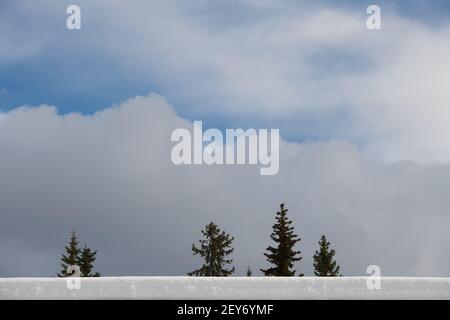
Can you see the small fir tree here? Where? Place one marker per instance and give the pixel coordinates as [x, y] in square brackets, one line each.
[86, 262]
[72, 256]
[324, 263]
[214, 249]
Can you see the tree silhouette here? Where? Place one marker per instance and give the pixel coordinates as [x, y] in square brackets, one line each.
[214, 249]
[283, 255]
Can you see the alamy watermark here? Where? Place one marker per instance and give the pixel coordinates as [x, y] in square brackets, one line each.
[73, 21]
[73, 282]
[373, 281]
[252, 147]
[374, 20]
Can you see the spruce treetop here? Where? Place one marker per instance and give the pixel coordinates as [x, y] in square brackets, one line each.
[72, 256]
[324, 263]
[283, 255]
[86, 262]
[81, 261]
[214, 249]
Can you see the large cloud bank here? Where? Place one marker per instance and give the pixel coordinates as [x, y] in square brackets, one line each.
[110, 176]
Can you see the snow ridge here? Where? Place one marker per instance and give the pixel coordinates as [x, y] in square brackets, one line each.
[223, 288]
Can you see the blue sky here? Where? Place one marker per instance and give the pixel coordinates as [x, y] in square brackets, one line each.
[91, 82]
[79, 71]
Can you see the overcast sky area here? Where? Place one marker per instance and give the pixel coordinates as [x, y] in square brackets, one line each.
[86, 118]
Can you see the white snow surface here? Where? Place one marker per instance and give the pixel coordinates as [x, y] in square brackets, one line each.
[224, 288]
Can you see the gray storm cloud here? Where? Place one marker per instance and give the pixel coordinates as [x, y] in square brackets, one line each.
[110, 176]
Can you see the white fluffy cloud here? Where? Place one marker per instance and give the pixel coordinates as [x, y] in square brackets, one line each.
[111, 177]
[385, 91]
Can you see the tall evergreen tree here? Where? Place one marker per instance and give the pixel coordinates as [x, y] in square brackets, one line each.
[214, 249]
[86, 262]
[324, 263]
[72, 256]
[283, 256]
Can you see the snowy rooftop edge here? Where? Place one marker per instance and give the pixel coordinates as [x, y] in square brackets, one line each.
[224, 288]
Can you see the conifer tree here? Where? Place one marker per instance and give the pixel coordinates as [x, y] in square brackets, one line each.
[324, 263]
[86, 262]
[72, 256]
[283, 256]
[214, 249]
